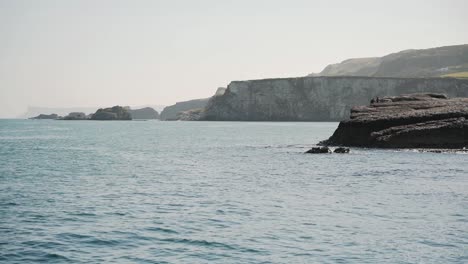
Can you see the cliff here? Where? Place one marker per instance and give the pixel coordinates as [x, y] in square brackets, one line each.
[112, 113]
[144, 113]
[170, 112]
[316, 98]
[432, 62]
[190, 115]
[407, 121]
[188, 110]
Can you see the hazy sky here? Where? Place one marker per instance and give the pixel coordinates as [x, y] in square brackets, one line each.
[62, 53]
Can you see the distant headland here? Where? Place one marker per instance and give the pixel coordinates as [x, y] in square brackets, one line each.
[108, 114]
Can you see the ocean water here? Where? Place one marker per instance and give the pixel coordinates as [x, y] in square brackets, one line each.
[222, 192]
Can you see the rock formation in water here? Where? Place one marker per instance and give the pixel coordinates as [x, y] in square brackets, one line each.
[144, 113]
[407, 121]
[433, 62]
[319, 150]
[316, 98]
[327, 150]
[112, 113]
[341, 150]
[45, 116]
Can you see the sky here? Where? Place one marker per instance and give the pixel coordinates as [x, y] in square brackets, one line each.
[99, 53]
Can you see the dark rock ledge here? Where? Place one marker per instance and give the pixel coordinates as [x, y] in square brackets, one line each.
[407, 121]
[327, 150]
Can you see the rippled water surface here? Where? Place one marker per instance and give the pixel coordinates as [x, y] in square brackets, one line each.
[221, 192]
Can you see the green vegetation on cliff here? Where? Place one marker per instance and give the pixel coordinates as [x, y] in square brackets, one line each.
[457, 75]
[433, 62]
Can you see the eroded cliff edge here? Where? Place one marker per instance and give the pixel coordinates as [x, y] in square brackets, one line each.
[316, 98]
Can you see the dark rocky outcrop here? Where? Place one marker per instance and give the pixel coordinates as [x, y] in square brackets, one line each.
[315, 98]
[407, 121]
[144, 113]
[319, 150]
[432, 62]
[341, 150]
[112, 113]
[45, 116]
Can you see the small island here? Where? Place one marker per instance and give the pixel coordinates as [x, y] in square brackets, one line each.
[428, 120]
[45, 116]
[112, 113]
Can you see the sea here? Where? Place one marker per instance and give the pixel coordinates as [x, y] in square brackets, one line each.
[222, 192]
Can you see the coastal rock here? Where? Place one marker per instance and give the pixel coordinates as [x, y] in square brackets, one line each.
[409, 121]
[315, 98]
[190, 115]
[144, 113]
[318, 150]
[112, 113]
[44, 116]
[341, 150]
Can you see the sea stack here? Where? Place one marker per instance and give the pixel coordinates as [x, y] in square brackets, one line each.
[426, 120]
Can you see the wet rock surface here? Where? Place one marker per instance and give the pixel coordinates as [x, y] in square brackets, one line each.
[424, 120]
[341, 150]
[319, 150]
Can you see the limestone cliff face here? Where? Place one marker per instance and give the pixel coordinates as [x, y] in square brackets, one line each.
[316, 98]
